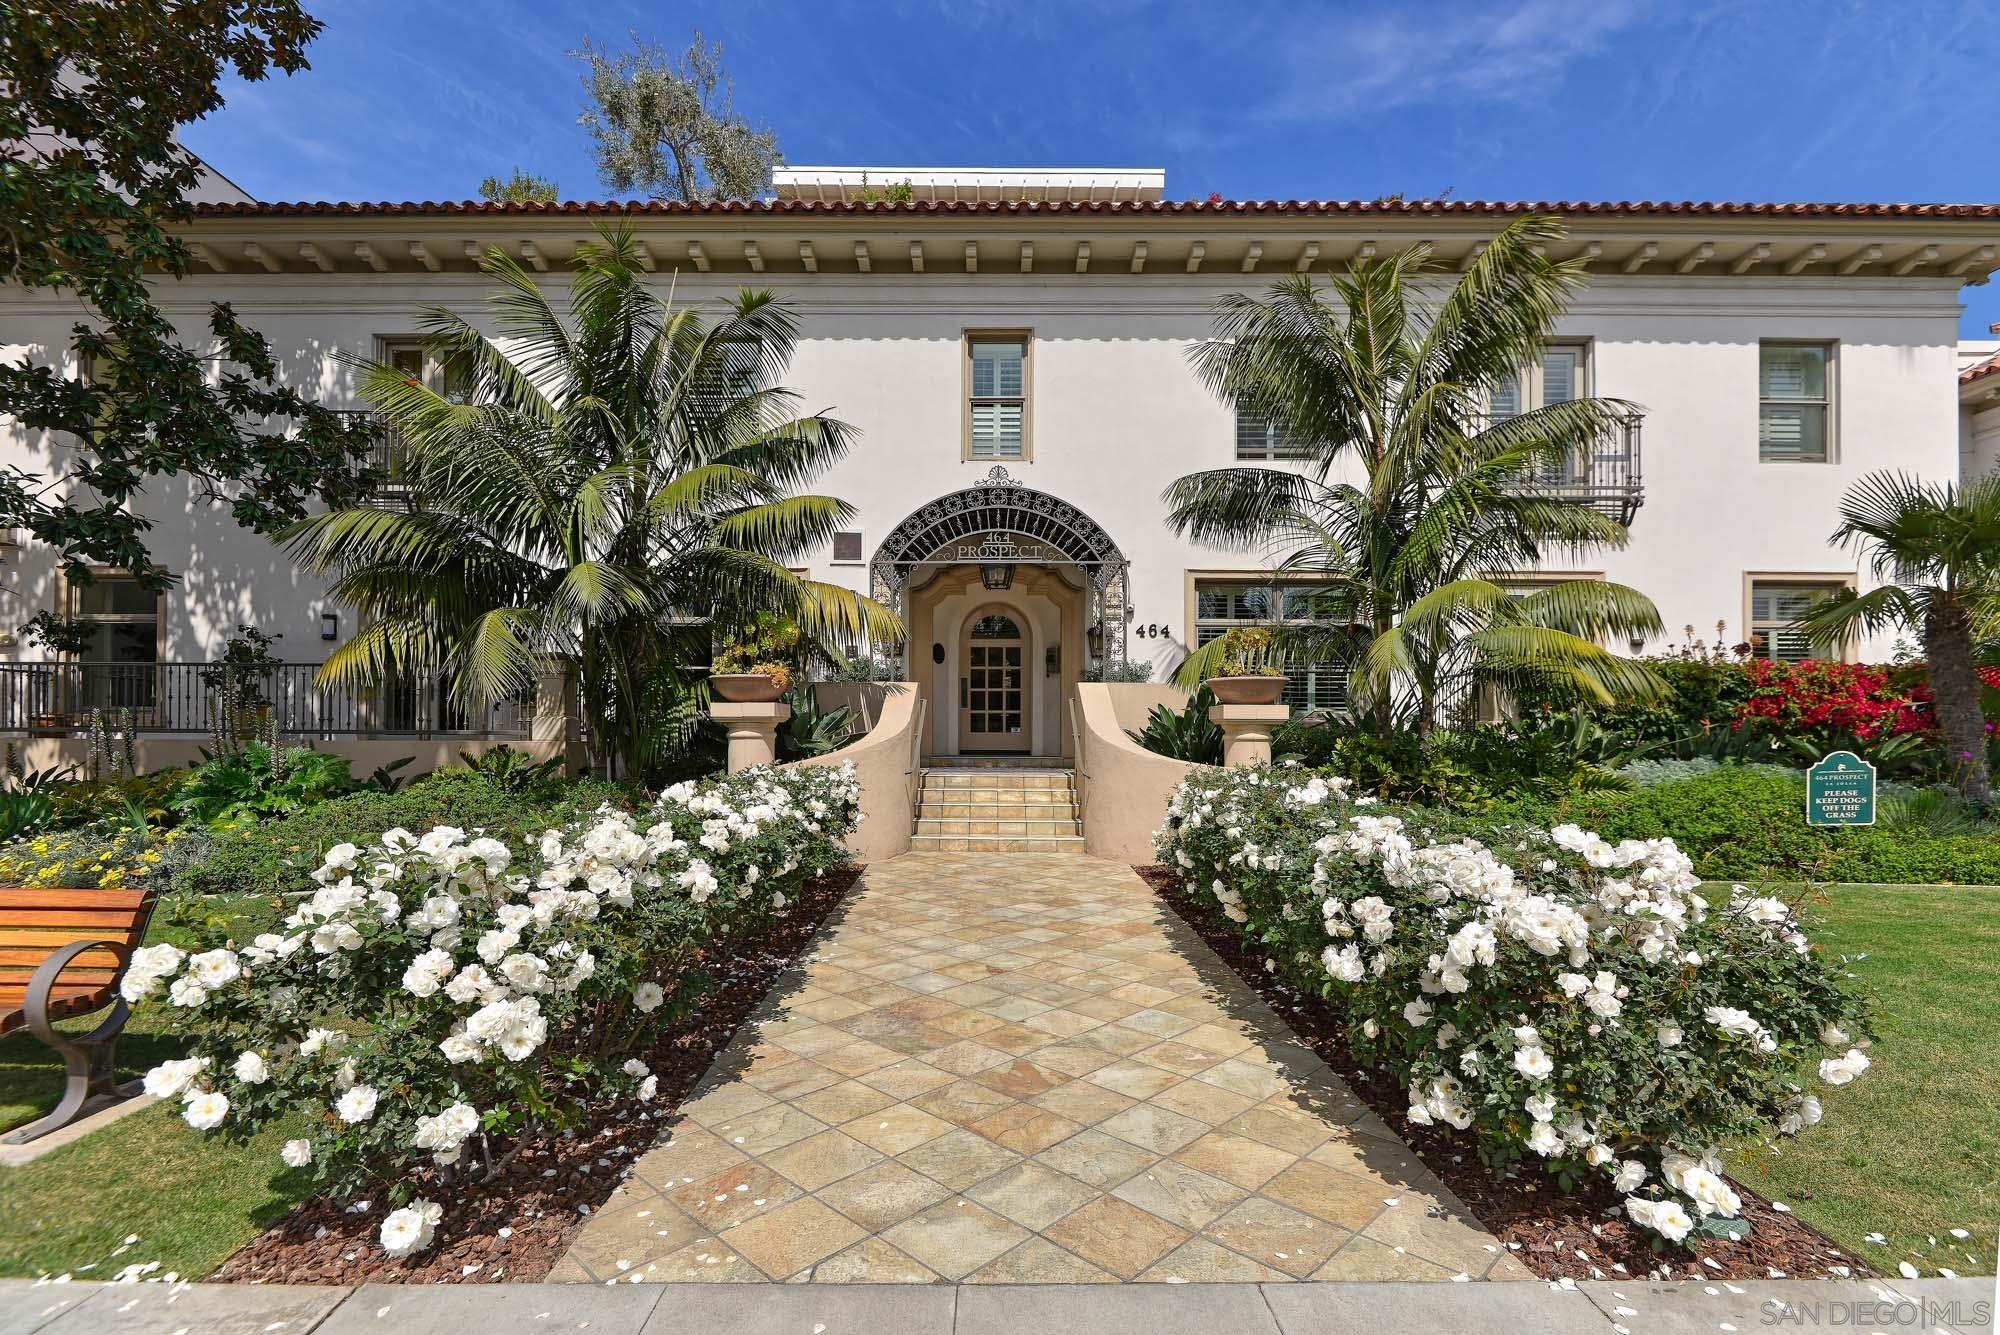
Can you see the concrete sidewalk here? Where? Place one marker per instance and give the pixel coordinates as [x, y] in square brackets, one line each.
[1946, 1307]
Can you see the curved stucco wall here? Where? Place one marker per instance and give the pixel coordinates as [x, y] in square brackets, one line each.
[885, 761]
[1125, 787]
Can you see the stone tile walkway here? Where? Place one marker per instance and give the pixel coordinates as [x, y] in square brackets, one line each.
[1023, 1069]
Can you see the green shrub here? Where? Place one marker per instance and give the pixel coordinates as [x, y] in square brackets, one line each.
[1742, 822]
[278, 855]
[1747, 822]
[253, 783]
[1187, 735]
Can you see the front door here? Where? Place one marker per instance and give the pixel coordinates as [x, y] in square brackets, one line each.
[993, 699]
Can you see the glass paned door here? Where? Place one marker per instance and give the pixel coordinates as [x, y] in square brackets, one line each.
[993, 694]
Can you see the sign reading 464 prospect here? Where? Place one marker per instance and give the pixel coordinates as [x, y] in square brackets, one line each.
[1840, 790]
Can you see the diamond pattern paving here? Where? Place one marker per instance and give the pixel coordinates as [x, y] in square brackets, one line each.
[1023, 1069]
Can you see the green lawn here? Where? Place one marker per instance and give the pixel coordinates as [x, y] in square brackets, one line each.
[190, 1202]
[1912, 1149]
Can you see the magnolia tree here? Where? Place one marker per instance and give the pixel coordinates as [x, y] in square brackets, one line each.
[1587, 1008]
[436, 1005]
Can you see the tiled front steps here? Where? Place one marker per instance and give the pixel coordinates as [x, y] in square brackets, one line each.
[1019, 806]
[1023, 1070]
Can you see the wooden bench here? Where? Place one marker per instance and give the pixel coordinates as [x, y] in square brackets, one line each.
[62, 953]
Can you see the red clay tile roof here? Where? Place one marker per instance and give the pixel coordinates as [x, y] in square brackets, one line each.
[1168, 208]
[1991, 366]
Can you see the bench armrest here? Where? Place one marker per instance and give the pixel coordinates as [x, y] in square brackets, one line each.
[42, 985]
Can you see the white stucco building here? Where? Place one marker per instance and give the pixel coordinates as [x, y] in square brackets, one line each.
[1012, 346]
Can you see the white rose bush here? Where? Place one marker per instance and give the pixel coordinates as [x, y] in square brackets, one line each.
[1579, 1008]
[435, 1004]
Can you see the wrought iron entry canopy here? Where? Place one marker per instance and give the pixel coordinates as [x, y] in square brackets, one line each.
[999, 520]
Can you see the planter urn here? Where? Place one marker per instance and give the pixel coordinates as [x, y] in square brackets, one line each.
[1247, 690]
[744, 687]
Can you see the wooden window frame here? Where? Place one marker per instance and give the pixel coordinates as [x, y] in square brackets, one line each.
[1829, 581]
[968, 339]
[1831, 403]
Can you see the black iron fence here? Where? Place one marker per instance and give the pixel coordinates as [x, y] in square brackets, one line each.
[55, 699]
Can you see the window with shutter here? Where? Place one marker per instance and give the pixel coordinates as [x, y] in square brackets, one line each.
[1222, 605]
[1794, 403]
[1258, 437]
[1775, 610]
[997, 386]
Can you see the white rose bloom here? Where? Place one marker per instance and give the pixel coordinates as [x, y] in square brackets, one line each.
[205, 1112]
[459, 1048]
[297, 1153]
[356, 1105]
[648, 997]
[1369, 1029]
[171, 1079]
[1417, 1013]
[1710, 1192]
[635, 1068]
[251, 1069]
[1669, 1034]
[187, 991]
[1545, 1140]
[1833, 1035]
[1533, 1063]
[1597, 1155]
[1630, 1177]
[411, 1229]
[1844, 1069]
[1670, 1221]
[649, 1087]
[1541, 1107]
[427, 973]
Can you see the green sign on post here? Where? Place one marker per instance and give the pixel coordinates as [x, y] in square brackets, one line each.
[1840, 790]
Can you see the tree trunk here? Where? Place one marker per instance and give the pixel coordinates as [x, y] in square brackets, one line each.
[1955, 696]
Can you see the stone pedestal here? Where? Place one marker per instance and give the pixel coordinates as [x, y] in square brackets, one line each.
[1246, 731]
[753, 730]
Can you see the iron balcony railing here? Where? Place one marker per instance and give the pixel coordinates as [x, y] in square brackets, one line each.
[57, 699]
[389, 460]
[1604, 477]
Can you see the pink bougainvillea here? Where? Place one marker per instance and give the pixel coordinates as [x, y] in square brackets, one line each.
[1864, 699]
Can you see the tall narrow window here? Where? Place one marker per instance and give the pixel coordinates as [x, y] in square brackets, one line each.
[997, 397]
[1557, 378]
[1794, 403]
[1775, 609]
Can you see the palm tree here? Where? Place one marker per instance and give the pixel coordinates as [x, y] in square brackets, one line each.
[1936, 550]
[613, 488]
[1410, 504]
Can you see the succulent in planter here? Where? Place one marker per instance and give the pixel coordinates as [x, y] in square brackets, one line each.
[1252, 669]
[755, 665]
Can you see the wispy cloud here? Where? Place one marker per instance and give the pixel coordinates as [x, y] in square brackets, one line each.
[1423, 55]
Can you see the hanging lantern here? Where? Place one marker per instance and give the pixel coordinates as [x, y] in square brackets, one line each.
[999, 575]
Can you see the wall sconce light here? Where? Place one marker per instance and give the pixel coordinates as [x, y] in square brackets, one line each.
[329, 625]
[997, 576]
[1637, 644]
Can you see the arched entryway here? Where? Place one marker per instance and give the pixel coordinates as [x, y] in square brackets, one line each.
[992, 553]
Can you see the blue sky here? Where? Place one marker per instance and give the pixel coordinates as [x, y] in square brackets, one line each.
[1510, 99]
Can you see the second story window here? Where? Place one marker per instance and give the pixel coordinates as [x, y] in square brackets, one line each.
[996, 418]
[1794, 403]
[123, 615]
[1258, 437]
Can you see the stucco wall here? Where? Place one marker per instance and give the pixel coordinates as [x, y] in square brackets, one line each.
[885, 764]
[1117, 414]
[1125, 787]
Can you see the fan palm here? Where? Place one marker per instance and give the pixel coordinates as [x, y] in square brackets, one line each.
[1936, 550]
[1410, 505]
[615, 485]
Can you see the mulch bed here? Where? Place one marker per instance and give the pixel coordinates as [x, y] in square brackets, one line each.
[1585, 1236]
[518, 1227]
